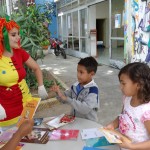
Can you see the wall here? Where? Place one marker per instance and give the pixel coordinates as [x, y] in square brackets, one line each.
[53, 26]
[102, 12]
[140, 30]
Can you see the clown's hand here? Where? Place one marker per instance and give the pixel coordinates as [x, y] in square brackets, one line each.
[2, 113]
[42, 92]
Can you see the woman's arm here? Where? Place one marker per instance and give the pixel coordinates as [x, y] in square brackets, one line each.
[35, 67]
[38, 73]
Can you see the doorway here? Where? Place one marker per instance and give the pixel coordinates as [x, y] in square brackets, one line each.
[110, 31]
[100, 27]
[102, 51]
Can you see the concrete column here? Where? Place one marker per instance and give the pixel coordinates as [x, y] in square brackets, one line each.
[8, 7]
[92, 28]
[128, 32]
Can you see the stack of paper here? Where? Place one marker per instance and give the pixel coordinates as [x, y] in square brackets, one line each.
[94, 138]
[91, 133]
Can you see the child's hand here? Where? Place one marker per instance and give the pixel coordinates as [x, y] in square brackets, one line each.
[125, 144]
[26, 127]
[55, 88]
[110, 126]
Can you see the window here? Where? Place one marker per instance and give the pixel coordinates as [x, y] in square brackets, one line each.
[75, 23]
[117, 29]
[83, 22]
[83, 30]
[59, 28]
[69, 24]
[64, 28]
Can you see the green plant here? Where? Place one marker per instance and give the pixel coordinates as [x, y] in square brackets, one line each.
[45, 43]
[31, 20]
[47, 82]
[2, 11]
[34, 32]
[31, 79]
[50, 83]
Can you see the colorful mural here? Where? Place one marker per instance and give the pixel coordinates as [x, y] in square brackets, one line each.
[53, 26]
[125, 32]
[141, 30]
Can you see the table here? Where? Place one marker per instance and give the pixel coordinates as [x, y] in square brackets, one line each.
[78, 144]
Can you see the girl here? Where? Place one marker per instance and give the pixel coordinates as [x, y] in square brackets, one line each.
[14, 92]
[134, 121]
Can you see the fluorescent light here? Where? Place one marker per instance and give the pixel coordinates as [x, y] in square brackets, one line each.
[60, 14]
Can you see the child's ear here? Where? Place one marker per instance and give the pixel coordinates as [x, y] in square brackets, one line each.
[138, 86]
[92, 73]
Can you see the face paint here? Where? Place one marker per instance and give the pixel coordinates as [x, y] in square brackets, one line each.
[19, 43]
[14, 38]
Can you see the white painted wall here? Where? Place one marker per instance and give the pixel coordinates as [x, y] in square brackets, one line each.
[99, 11]
[102, 12]
[92, 25]
[92, 17]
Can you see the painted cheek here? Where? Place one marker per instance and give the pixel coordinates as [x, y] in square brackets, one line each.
[19, 43]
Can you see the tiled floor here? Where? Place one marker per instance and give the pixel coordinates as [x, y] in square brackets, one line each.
[103, 55]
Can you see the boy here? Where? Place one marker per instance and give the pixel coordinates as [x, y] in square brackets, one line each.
[83, 96]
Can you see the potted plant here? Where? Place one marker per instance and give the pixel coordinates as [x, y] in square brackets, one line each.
[45, 45]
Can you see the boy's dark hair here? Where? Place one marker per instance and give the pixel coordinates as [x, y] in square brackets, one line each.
[139, 73]
[89, 63]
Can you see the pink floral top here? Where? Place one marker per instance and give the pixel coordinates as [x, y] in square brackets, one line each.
[131, 121]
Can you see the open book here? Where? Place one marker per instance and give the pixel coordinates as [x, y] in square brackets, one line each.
[7, 135]
[38, 135]
[113, 136]
[29, 110]
[58, 121]
[19, 146]
[64, 134]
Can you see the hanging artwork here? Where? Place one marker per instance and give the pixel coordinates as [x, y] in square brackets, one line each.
[117, 20]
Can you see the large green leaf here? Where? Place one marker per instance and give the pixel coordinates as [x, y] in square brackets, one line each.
[27, 45]
[25, 41]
